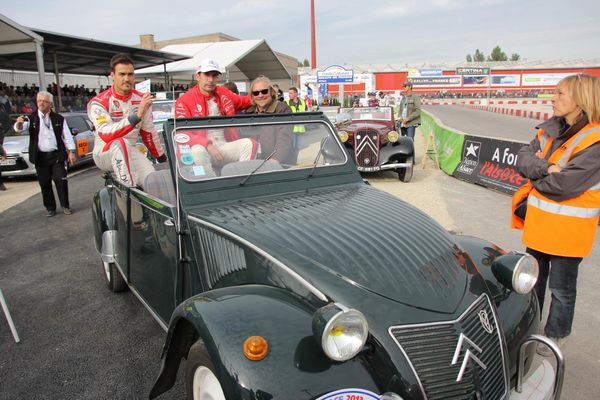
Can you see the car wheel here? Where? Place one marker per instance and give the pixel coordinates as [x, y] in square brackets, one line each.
[200, 379]
[114, 280]
[405, 174]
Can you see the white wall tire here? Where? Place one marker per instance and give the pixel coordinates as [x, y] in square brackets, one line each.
[206, 386]
[200, 378]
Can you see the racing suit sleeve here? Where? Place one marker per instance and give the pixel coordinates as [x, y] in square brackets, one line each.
[106, 128]
[240, 102]
[150, 135]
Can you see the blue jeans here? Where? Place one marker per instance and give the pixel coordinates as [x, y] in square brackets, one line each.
[561, 275]
[409, 131]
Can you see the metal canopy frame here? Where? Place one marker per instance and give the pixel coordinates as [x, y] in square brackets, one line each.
[27, 49]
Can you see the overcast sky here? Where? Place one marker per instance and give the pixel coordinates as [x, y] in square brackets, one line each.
[413, 32]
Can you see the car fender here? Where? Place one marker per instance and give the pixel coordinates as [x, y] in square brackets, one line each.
[224, 318]
[404, 147]
[102, 215]
[518, 313]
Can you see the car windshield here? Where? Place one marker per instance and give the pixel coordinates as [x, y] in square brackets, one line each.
[284, 146]
[369, 113]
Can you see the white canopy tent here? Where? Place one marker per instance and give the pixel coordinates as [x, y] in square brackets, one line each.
[240, 60]
[18, 39]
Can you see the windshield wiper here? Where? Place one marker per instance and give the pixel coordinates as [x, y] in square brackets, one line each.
[243, 182]
[317, 158]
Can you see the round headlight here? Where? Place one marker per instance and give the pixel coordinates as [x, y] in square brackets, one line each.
[343, 136]
[525, 274]
[342, 332]
[393, 136]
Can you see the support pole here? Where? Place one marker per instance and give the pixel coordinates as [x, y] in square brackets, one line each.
[313, 40]
[57, 76]
[39, 57]
[11, 324]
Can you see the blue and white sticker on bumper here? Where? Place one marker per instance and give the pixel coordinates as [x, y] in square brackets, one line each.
[350, 394]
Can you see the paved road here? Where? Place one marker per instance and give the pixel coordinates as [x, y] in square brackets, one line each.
[485, 123]
[79, 341]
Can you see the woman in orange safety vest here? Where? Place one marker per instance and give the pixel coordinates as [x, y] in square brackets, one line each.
[558, 208]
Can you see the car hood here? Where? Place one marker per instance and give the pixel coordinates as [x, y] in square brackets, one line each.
[16, 144]
[358, 234]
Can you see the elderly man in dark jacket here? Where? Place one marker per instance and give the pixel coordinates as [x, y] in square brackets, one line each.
[278, 141]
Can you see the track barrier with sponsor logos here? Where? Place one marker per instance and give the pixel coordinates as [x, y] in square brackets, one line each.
[484, 161]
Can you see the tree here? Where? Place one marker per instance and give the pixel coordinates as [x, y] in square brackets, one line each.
[497, 55]
[469, 58]
[515, 57]
[478, 56]
[306, 62]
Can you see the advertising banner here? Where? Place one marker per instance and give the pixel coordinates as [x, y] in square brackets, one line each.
[335, 74]
[449, 80]
[430, 72]
[449, 143]
[490, 163]
[493, 80]
[472, 71]
[544, 79]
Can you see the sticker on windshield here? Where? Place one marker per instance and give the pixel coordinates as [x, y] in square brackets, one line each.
[350, 394]
[184, 148]
[187, 159]
[199, 170]
[182, 138]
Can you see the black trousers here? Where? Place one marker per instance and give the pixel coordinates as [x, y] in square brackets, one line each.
[49, 169]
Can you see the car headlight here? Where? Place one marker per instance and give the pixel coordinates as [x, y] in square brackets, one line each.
[341, 331]
[393, 136]
[343, 136]
[518, 272]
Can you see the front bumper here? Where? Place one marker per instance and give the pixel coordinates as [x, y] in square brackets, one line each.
[19, 166]
[384, 167]
[545, 383]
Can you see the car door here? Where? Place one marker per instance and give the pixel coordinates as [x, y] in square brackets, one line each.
[153, 261]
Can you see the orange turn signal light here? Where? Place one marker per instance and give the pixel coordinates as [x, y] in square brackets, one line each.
[256, 348]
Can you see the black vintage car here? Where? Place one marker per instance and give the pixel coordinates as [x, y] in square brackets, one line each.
[374, 142]
[282, 280]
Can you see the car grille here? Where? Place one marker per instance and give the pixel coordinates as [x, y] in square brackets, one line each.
[430, 349]
[220, 255]
[366, 147]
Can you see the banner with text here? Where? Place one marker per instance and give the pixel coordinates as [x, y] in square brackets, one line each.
[490, 163]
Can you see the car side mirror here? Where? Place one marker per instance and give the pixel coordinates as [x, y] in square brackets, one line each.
[74, 131]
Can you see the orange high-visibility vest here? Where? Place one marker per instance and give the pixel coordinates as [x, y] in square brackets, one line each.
[566, 228]
[522, 193]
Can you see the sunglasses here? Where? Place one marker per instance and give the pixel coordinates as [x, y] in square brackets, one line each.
[257, 92]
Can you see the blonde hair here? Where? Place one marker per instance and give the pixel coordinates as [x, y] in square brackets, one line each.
[585, 91]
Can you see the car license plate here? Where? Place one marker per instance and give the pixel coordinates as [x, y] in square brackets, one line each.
[8, 161]
[368, 169]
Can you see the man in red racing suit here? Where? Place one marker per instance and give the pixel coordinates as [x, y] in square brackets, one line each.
[120, 114]
[213, 147]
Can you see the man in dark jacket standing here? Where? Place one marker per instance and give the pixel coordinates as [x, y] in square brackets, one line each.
[50, 146]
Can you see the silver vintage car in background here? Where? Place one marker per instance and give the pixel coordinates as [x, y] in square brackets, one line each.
[16, 145]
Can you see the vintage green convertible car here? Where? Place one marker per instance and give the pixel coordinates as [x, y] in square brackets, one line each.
[288, 280]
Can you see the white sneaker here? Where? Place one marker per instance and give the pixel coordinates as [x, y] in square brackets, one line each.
[545, 351]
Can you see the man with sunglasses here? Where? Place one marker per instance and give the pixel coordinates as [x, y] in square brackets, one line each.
[215, 146]
[277, 141]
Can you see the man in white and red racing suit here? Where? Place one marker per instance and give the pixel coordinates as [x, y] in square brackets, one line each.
[214, 147]
[120, 114]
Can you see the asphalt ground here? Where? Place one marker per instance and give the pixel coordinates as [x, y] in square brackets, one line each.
[80, 341]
